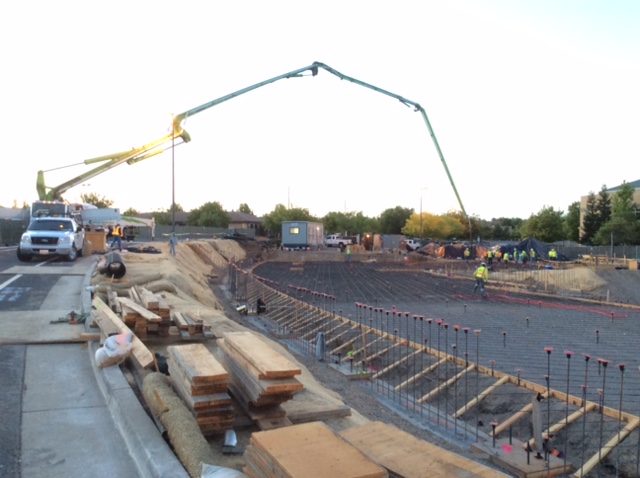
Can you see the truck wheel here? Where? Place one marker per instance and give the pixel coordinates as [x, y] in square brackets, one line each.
[23, 257]
[73, 255]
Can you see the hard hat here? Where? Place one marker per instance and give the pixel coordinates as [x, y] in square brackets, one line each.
[483, 264]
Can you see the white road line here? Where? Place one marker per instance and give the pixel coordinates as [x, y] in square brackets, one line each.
[6, 283]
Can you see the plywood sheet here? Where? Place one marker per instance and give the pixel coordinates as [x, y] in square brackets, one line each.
[313, 449]
[197, 363]
[406, 456]
[270, 363]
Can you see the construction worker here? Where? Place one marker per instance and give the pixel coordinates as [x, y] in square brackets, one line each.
[532, 254]
[481, 275]
[553, 255]
[467, 254]
[117, 237]
[505, 259]
[524, 256]
[489, 257]
[348, 253]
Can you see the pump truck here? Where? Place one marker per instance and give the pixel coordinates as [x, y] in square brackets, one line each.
[109, 161]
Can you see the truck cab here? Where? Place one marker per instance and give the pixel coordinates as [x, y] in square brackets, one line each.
[336, 240]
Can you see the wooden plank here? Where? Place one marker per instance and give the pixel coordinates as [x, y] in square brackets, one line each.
[147, 298]
[179, 320]
[147, 314]
[409, 457]
[197, 363]
[139, 351]
[297, 449]
[270, 363]
[107, 327]
[273, 423]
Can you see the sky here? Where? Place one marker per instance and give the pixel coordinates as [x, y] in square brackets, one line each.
[533, 103]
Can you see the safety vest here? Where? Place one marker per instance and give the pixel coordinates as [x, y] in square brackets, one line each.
[466, 253]
[506, 257]
[117, 231]
[533, 253]
[481, 273]
[489, 254]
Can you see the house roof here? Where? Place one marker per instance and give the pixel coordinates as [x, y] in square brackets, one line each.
[236, 216]
[633, 184]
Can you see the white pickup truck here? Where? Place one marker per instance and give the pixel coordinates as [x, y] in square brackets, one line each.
[336, 240]
[413, 244]
[56, 236]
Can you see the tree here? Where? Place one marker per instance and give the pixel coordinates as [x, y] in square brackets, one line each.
[623, 226]
[348, 223]
[572, 222]
[97, 201]
[546, 226]
[392, 221]
[273, 220]
[165, 218]
[603, 206]
[591, 220]
[210, 214]
[433, 226]
[244, 207]
[131, 212]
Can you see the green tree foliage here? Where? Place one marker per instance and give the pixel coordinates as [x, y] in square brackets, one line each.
[210, 214]
[131, 212]
[623, 225]
[392, 221]
[546, 226]
[439, 227]
[244, 207]
[506, 228]
[165, 217]
[572, 222]
[273, 220]
[603, 206]
[591, 220]
[348, 223]
[97, 201]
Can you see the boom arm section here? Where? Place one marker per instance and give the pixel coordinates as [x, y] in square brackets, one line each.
[156, 147]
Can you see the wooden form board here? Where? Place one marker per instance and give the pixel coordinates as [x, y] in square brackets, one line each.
[197, 363]
[268, 362]
[409, 457]
[310, 449]
[140, 352]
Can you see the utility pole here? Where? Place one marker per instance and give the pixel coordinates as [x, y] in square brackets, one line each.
[173, 174]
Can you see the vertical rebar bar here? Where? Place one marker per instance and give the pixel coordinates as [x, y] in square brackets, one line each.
[568, 354]
[604, 364]
[621, 367]
[477, 334]
[455, 389]
[584, 404]
[548, 379]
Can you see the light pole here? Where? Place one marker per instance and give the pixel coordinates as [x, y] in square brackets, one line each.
[173, 175]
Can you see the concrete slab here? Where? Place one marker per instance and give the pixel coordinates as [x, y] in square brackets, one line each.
[65, 294]
[79, 269]
[73, 441]
[12, 360]
[65, 372]
[31, 327]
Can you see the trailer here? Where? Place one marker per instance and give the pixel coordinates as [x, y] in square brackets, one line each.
[302, 235]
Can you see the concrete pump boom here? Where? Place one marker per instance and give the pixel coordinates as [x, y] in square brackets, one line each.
[156, 147]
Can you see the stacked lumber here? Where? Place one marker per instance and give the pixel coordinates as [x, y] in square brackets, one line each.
[189, 325]
[308, 449]
[202, 383]
[260, 379]
[159, 306]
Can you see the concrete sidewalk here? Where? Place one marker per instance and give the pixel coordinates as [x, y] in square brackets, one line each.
[64, 417]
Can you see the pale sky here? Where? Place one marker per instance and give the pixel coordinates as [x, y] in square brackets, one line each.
[533, 103]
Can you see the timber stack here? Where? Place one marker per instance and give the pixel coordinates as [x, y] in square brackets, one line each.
[260, 379]
[202, 383]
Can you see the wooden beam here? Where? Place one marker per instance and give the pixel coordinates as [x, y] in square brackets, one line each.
[606, 449]
[556, 427]
[147, 314]
[449, 382]
[482, 396]
[139, 351]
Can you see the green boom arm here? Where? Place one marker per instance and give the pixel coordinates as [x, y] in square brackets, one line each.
[156, 147]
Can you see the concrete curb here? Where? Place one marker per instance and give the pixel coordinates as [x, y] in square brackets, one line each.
[152, 455]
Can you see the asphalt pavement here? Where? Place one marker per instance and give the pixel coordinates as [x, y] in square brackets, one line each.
[61, 416]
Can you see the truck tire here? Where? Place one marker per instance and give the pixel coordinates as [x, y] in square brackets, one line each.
[23, 257]
[73, 255]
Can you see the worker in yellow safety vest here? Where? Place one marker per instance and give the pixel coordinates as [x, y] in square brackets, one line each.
[117, 237]
[467, 254]
[553, 255]
[481, 275]
[490, 257]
